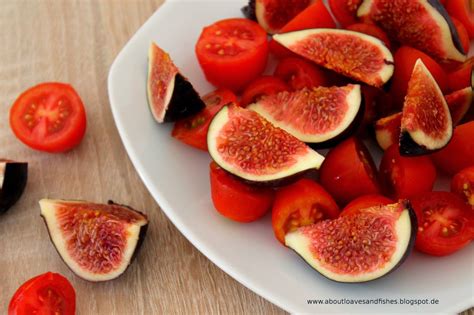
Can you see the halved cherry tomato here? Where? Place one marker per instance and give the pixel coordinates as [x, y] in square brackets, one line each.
[49, 293]
[49, 117]
[314, 16]
[236, 200]
[462, 184]
[459, 153]
[372, 30]
[444, 223]
[462, 33]
[232, 52]
[460, 77]
[193, 130]
[405, 59]
[299, 73]
[349, 171]
[345, 11]
[364, 202]
[405, 177]
[264, 85]
[302, 203]
[463, 11]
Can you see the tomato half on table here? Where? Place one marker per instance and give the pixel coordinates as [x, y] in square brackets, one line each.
[264, 85]
[193, 130]
[302, 203]
[236, 200]
[405, 177]
[364, 202]
[49, 117]
[462, 184]
[49, 293]
[445, 223]
[299, 73]
[232, 52]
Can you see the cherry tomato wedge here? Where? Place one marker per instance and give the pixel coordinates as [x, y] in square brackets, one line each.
[463, 10]
[462, 184]
[299, 73]
[236, 200]
[405, 177]
[459, 153]
[264, 85]
[193, 130]
[444, 223]
[49, 117]
[364, 202]
[349, 171]
[232, 52]
[345, 11]
[302, 203]
[372, 30]
[49, 293]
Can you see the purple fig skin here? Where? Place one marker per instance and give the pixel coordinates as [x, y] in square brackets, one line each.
[184, 102]
[15, 178]
[249, 11]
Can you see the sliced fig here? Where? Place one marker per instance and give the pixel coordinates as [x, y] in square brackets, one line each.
[248, 146]
[170, 95]
[13, 177]
[459, 103]
[96, 241]
[426, 124]
[387, 130]
[435, 34]
[353, 54]
[314, 116]
[358, 247]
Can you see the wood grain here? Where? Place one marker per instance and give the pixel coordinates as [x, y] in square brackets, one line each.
[76, 42]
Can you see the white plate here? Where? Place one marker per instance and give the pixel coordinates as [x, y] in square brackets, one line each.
[177, 177]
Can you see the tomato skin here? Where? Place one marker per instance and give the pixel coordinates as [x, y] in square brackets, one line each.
[459, 153]
[463, 35]
[32, 296]
[238, 58]
[445, 223]
[460, 77]
[236, 200]
[344, 14]
[264, 85]
[299, 73]
[348, 171]
[193, 130]
[405, 177]
[462, 184]
[302, 203]
[460, 10]
[364, 202]
[372, 30]
[48, 97]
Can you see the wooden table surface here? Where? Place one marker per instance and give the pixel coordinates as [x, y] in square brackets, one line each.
[76, 42]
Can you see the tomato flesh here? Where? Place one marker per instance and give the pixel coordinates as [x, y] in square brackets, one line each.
[444, 223]
[264, 85]
[349, 171]
[193, 130]
[49, 293]
[462, 184]
[302, 203]
[49, 117]
[232, 52]
[299, 73]
[236, 200]
[364, 202]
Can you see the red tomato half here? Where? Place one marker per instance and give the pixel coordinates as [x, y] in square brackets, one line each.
[299, 73]
[302, 203]
[372, 30]
[462, 184]
[405, 177]
[364, 202]
[264, 85]
[463, 11]
[444, 223]
[349, 171]
[460, 77]
[345, 11]
[459, 153]
[193, 130]
[232, 52]
[236, 200]
[49, 117]
[49, 293]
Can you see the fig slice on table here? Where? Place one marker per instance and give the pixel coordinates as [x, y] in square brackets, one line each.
[248, 146]
[459, 103]
[170, 95]
[387, 130]
[421, 24]
[353, 54]
[426, 124]
[96, 241]
[317, 116]
[360, 246]
[13, 177]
